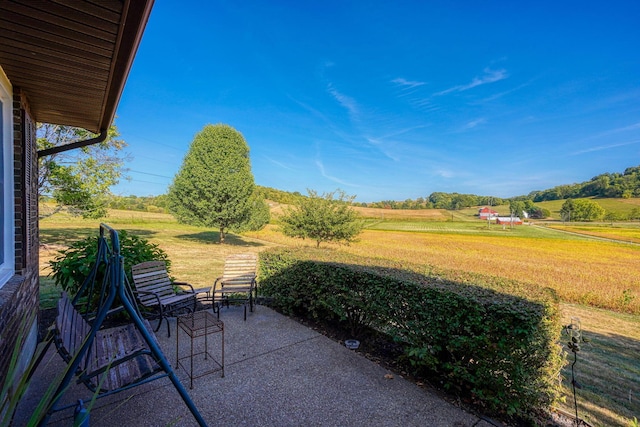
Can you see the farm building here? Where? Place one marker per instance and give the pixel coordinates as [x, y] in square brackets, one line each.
[487, 213]
[508, 220]
[62, 63]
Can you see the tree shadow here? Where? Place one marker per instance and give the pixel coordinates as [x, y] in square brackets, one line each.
[67, 236]
[213, 238]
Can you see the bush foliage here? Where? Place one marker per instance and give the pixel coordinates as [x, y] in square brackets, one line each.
[322, 218]
[72, 265]
[489, 339]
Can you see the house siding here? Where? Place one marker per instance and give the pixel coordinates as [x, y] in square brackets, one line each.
[19, 299]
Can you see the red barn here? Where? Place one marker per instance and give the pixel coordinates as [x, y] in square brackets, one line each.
[487, 213]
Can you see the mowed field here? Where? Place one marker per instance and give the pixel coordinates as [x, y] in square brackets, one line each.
[600, 274]
[581, 269]
[586, 273]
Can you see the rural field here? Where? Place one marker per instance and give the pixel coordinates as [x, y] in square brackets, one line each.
[597, 281]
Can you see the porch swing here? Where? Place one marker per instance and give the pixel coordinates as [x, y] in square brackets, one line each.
[108, 359]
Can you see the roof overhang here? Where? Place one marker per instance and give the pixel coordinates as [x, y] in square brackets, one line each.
[71, 57]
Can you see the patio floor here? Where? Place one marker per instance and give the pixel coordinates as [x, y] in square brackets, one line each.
[277, 373]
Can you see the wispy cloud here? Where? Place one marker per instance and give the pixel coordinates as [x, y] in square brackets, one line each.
[280, 164]
[634, 126]
[444, 173]
[346, 101]
[320, 166]
[474, 123]
[425, 105]
[490, 76]
[413, 92]
[506, 92]
[407, 84]
[403, 131]
[390, 148]
[379, 144]
[605, 147]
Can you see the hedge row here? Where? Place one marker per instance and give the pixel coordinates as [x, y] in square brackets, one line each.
[490, 338]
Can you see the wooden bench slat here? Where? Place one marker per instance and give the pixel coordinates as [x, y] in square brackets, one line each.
[108, 350]
[116, 344]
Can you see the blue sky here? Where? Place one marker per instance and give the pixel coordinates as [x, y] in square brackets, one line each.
[390, 100]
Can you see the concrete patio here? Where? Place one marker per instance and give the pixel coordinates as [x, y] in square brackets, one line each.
[277, 373]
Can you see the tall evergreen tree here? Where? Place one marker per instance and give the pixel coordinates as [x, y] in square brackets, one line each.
[214, 185]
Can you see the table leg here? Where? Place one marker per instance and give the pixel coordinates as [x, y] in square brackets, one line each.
[191, 360]
[222, 327]
[206, 335]
[177, 343]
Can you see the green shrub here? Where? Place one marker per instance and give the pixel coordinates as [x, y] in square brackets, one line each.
[488, 339]
[71, 266]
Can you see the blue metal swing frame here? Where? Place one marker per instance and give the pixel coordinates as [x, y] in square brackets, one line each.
[115, 284]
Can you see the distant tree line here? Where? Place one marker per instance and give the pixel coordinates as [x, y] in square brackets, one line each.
[525, 208]
[279, 196]
[138, 203]
[159, 203]
[610, 185]
[437, 200]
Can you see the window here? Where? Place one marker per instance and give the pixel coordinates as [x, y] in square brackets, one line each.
[7, 254]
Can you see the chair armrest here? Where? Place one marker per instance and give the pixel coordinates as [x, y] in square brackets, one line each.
[137, 292]
[207, 291]
[215, 285]
[184, 284]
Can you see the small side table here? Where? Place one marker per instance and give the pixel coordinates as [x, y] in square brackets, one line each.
[195, 325]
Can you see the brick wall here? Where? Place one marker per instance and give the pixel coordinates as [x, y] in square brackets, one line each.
[19, 299]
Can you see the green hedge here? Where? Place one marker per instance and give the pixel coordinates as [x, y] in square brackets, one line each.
[491, 339]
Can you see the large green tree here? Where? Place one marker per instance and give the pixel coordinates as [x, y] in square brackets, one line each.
[581, 210]
[79, 179]
[322, 218]
[215, 186]
[516, 207]
[257, 216]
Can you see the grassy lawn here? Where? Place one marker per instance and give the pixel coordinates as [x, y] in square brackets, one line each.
[195, 254]
[584, 272]
[625, 232]
[475, 227]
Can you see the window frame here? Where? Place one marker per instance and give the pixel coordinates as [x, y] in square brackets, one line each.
[7, 261]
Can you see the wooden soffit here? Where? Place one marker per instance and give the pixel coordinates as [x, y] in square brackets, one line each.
[71, 57]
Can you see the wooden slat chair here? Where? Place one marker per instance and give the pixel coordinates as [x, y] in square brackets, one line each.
[156, 292]
[237, 283]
